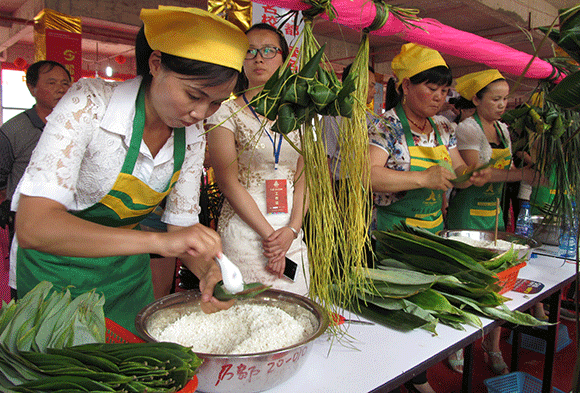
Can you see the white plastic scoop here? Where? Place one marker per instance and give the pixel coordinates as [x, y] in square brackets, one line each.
[231, 275]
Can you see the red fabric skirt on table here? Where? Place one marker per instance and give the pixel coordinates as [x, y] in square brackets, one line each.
[4, 264]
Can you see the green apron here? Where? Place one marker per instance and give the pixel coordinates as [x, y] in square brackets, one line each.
[475, 207]
[543, 196]
[420, 207]
[124, 280]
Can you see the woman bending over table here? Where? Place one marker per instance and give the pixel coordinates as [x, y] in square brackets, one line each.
[111, 152]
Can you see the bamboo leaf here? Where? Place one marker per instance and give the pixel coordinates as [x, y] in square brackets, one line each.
[395, 319]
[418, 245]
[398, 291]
[384, 302]
[567, 92]
[287, 120]
[433, 301]
[463, 300]
[394, 263]
[423, 314]
[425, 264]
[465, 176]
[25, 315]
[477, 253]
[250, 290]
[308, 71]
[471, 319]
[402, 276]
[510, 257]
[516, 317]
[6, 313]
[49, 321]
[569, 18]
[267, 103]
[320, 94]
[450, 320]
[296, 90]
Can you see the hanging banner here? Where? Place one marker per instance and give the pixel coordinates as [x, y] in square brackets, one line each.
[269, 14]
[57, 37]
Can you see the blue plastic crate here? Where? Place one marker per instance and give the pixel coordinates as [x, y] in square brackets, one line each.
[516, 382]
[538, 344]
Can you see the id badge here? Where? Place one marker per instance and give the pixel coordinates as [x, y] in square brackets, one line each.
[276, 196]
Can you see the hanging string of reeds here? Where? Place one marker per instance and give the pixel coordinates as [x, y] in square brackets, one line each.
[338, 223]
[353, 199]
[322, 219]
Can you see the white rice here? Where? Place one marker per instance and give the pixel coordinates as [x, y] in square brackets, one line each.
[501, 245]
[241, 329]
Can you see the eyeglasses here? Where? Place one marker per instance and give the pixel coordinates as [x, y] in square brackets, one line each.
[267, 52]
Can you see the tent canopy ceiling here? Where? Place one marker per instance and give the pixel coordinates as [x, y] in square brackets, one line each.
[111, 31]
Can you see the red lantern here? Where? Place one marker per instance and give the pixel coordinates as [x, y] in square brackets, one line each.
[120, 59]
[20, 63]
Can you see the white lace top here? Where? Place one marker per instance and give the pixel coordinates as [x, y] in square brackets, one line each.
[470, 136]
[84, 144]
[83, 147]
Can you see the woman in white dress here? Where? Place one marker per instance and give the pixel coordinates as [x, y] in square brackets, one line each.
[260, 175]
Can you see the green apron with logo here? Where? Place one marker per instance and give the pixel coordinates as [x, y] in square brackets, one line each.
[475, 207]
[124, 280]
[420, 207]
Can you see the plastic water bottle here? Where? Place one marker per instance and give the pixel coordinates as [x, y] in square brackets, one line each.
[564, 240]
[524, 222]
[573, 234]
[568, 234]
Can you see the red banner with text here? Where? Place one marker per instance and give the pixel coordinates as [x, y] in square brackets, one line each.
[65, 47]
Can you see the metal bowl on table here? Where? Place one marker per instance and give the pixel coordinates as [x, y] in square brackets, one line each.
[489, 237]
[247, 373]
[546, 232]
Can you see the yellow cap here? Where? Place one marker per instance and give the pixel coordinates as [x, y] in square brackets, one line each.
[468, 85]
[195, 34]
[414, 59]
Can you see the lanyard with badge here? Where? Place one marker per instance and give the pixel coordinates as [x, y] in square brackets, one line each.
[276, 189]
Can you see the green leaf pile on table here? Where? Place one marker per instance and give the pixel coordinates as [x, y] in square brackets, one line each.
[52, 343]
[422, 279]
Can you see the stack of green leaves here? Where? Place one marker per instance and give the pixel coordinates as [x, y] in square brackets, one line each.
[290, 98]
[49, 319]
[423, 279]
[138, 367]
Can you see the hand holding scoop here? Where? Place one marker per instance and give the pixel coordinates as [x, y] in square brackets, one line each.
[231, 275]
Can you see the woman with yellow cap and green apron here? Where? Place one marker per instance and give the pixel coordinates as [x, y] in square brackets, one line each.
[111, 152]
[482, 137]
[413, 155]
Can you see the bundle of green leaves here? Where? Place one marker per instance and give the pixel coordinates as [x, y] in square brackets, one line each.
[51, 319]
[423, 279]
[290, 98]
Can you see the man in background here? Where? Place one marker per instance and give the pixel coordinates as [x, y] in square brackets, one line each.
[47, 82]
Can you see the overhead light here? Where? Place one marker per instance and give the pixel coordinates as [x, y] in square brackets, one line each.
[109, 71]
